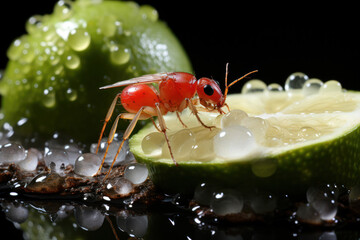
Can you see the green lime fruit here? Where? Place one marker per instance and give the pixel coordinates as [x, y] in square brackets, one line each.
[274, 140]
[52, 79]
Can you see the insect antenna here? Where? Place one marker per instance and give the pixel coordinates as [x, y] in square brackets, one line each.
[235, 81]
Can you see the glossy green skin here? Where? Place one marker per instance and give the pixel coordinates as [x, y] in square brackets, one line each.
[152, 46]
[335, 161]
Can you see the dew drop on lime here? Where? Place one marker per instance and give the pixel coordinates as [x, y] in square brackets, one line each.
[274, 87]
[203, 150]
[79, 39]
[62, 9]
[311, 86]
[71, 94]
[148, 12]
[119, 54]
[72, 61]
[152, 143]
[254, 86]
[182, 143]
[49, 100]
[295, 81]
[331, 86]
[233, 117]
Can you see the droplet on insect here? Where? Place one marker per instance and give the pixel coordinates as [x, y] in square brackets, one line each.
[119, 54]
[182, 143]
[311, 86]
[12, 153]
[31, 161]
[49, 99]
[324, 200]
[203, 193]
[308, 214]
[233, 117]
[87, 164]
[152, 143]
[234, 142]
[254, 86]
[72, 61]
[62, 9]
[134, 225]
[264, 168]
[331, 86]
[148, 12]
[79, 39]
[224, 203]
[120, 186]
[295, 81]
[33, 24]
[275, 87]
[136, 173]
[71, 94]
[88, 218]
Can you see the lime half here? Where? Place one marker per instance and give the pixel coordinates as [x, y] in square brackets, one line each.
[278, 140]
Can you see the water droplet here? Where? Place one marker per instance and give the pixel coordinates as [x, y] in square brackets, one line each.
[46, 183]
[132, 224]
[295, 81]
[275, 87]
[226, 202]
[72, 61]
[87, 164]
[136, 173]
[59, 157]
[12, 153]
[119, 54]
[120, 186]
[254, 86]
[49, 99]
[324, 200]
[31, 161]
[311, 86]
[71, 94]
[88, 218]
[148, 12]
[62, 9]
[263, 203]
[234, 142]
[182, 143]
[203, 150]
[152, 143]
[34, 24]
[79, 39]
[307, 133]
[264, 168]
[331, 86]
[108, 26]
[16, 48]
[307, 213]
[257, 126]
[233, 118]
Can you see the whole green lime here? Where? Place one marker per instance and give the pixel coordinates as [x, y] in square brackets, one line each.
[51, 83]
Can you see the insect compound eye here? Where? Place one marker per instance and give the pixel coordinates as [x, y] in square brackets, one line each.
[208, 90]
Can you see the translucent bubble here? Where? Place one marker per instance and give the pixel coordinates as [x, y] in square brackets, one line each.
[275, 87]
[79, 39]
[72, 61]
[254, 86]
[233, 118]
[311, 86]
[87, 164]
[182, 144]
[49, 99]
[203, 193]
[31, 161]
[108, 26]
[18, 214]
[264, 168]
[134, 225]
[263, 203]
[324, 200]
[331, 86]
[113, 148]
[308, 214]
[203, 150]
[71, 94]
[16, 48]
[257, 126]
[88, 218]
[120, 186]
[119, 54]
[136, 173]
[34, 24]
[46, 183]
[12, 153]
[234, 142]
[62, 9]
[152, 143]
[148, 12]
[295, 81]
[226, 202]
[59, 157]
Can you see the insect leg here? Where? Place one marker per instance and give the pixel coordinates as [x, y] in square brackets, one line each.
[107, 119]
[178, 116]
[163, 130]
[195, 112]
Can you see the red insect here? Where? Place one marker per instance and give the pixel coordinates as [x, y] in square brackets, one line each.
[176, 92]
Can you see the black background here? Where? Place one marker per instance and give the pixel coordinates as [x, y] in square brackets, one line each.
[321, 40]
